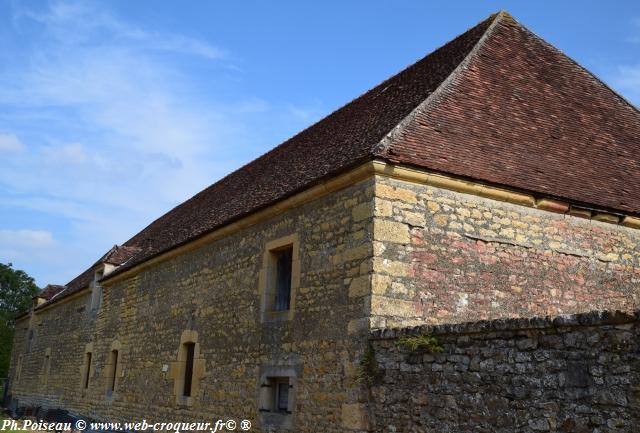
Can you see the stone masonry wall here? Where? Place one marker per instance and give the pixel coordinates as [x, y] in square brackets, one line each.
[63, 331]
[380, 253]
[441, 256]
[573, 374]
[213, 293]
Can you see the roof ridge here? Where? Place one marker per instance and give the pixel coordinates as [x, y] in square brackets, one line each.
[398, 120]
[505, 15]
[134, 241]
[380, 148]
[274, 149]
[540, 39]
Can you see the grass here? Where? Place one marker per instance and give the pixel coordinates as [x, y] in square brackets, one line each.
[2, 418]
[368, 371]
[420, 343]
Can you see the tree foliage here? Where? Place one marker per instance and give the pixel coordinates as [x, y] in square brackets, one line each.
[17, 289]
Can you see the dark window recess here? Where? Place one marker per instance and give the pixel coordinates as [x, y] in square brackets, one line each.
[282, 404]
[30, 341]
[114, 366]
[87, 370]
[275, 395]
[283, 278]
[188, 369]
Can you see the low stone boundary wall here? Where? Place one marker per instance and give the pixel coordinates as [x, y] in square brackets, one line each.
[575, 374]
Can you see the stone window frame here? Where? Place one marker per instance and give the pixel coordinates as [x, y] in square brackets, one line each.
[109, 372]
[46, 367]
[86, 371]
[268, 418]
[267, 277]
[178, 368]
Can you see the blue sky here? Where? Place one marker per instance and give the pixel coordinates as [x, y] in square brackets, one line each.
[111, 113]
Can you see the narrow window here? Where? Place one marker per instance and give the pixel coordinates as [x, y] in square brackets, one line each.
[114, 369]
[282, 397]
[279, 279]
[283, 278]
[47, 365]
[87, 369]
[30, 341]
[188, 368]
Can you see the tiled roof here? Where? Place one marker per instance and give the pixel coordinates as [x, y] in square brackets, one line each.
[340, 141]
[50, 291]
[119, 255]
[496, 104]
[520, 113]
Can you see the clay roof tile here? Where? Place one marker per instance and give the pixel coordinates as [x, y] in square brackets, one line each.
[496, 104]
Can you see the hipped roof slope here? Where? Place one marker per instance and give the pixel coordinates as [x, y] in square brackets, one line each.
[497, 104]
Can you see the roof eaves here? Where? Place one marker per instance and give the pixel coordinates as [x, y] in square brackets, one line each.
[126, 266]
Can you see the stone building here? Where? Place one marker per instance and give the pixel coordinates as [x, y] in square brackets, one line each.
[494, 179]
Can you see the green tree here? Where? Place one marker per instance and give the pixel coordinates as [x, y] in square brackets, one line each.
[16, 292]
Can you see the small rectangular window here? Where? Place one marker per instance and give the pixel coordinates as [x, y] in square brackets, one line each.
[283, 261]
[188, 368]
[275, 395]
[87, 369]
[279, 279]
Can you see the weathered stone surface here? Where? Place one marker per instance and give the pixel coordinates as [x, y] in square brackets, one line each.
[503, 376]
[360, 286]
[213, 291]
[379, 254]
[552, 205]
[354, 416]
[390, 231]
[475, 258]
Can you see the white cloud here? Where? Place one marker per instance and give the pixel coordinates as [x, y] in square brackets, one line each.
[66, 154]
[10, 143]
[138, 124]
[26, 238]
[76, 22]
[629, 77]
[113, 134]
[29, 249]
[306, 114]
[627, 80]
